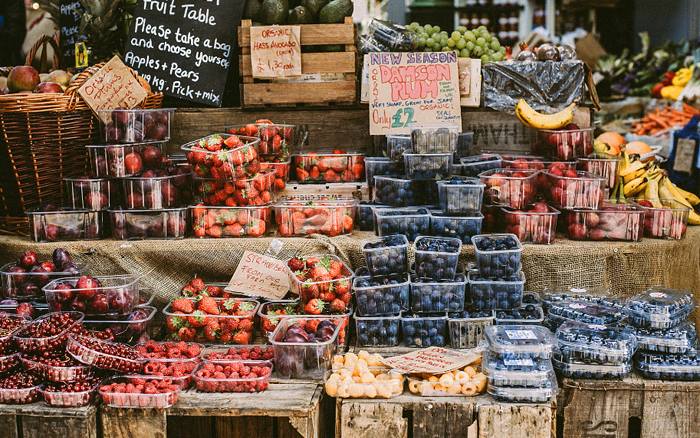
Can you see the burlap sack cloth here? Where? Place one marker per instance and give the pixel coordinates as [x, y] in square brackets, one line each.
[166, 265]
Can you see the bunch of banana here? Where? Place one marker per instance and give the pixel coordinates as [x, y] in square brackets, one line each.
[536, 120]
[668, 190]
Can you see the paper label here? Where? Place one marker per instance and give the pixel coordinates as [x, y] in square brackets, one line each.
[261, 276]
[519, 362]
[112, 86]
[685, 148]
[577, 306]
[434, 360]
[597, 327]
[275, 51]
[521, 335]
[658, 295]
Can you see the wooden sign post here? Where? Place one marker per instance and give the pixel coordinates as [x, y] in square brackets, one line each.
[112, 86]
[275, 51]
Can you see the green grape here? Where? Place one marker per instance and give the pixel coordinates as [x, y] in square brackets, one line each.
[461, 44]
[469, 36]
[461, 29]
[437, 46]
[482, 29]
[421, 43]
[428, 49]
[480, 42]
[446, 49]
[429, 42]
[429, 29]
[456, 36]
[485, 59]
[478, 51]
[437, 29]
[414, 25]
[487, 38]
[451, 43]
[470, 46]
[464, 53]
[423, 35]
[495, 45]
[497, 57]
[443, 40]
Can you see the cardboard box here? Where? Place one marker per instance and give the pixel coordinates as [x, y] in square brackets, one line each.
[469, 81]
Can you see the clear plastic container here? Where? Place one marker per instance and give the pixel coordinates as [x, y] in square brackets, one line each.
[393, 36]
[426, 330]
[497, 263]
[428, 166]
[230, 221]
[668, 367]
[212, 157]
[118, 294]
[623, 222]
[667, 222]
[164, 398]
[123, 125]
[232, 384]
[600, 344]
[381, 166]
[465, 142]
[282, 165]
[411, 222]
[437, 265]
[331, 217]
[524, 395]
[389, 296]
[675, 340]
[522, 373]
[62, 224]
[492, 294]
[476, 164]
[12, 323]
[298, 287]
[116, 161]
[169, 223]
[520, 341]
[582, 191]
[552, 294]
[67, 399]
[438, 296]
[579, 370]
[508, 187]
[533, 226]
[396, 145]
[565, 144]
[460, 227]
[269, 322]
[510, 317]
[23, 286]
[275, 139]
[467, 328]
[585, 312]
[73, 372]
[396, 191]
[9, 362]
[460, 195]
[365, 214]
[329, 168]
[601, 164]
[154, 193]
[89, 351]
[48, 343]
[20, 395]
[302, 360]
[127, 329]
[96, 194]
[386, 255]
[659, 307]
[385, 384]
[254, 190]
[434, 139]
[377, 331]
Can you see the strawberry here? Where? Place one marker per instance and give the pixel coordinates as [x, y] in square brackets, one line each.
[314, 307]
[341, 286]
[198, 284]
[358, 170]
[212, 330]
[320, 272]
[213, 291]
[208, 305]
[327, 296]
[234, 230]
[183, 305]
[258, 229]
[339, 164]
[314, 173]
[269, 324]
[300, 275]
[214, 231]
[348, 176]
[337, 305]
[309, 290]
[336, 269]
[312, 325]
[298, 219]
[188, 291]
[242, 337]
[283, 229]
[245, 308]
[245, 324]
[230, 325]
[198, 319]
[347, 223]
[175, 323]
[225, 337]
[346, 297]
[186, 334]
[323, 165]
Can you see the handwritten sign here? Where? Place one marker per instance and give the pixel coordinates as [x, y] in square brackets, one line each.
[412, 89]
[260, 276]
[184, 48]
[71, 12]
[112, 86]
[275, 51]
[434, 360]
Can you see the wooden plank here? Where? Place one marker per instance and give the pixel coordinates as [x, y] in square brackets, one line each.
[432, 418]
[512, 421]
[371, 420]
[59, 427]
[285, 429]
[326, 62]
[133, 423]
[8, 426]
[233, 427]
[311, 34]
[312, 93]
[671, 409]
[188, 427]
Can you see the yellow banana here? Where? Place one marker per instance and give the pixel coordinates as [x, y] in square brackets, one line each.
[666, 191]
[651, 192]
[635, 186]
[537, 120]
[690, 197]
[624, 164]
[693, 218]
[633, 171]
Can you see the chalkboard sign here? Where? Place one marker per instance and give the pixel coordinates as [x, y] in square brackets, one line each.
[184, 48]
[71, 11]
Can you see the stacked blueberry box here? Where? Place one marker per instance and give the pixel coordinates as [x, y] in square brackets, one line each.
[582, 310]
[497, 283]
[518, 363]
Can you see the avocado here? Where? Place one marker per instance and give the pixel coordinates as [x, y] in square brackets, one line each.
[314, 6]
[274, 11]
[252, 9]
[335, 11]
[300, 15]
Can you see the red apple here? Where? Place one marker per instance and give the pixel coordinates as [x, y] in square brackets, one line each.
[645, 203]
[48, 87]
[577, 231]
[133, 163]
[598, 234]
[22, 78]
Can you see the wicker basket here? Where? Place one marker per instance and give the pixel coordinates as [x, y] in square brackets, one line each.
[42, 141]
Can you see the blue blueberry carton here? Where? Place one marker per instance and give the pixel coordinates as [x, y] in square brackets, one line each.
[675, 340]
[596, 344]
[497, 294]
[436, 257]
[459, 227]
[387, 255]
[497, 255]
[459, 195]
[438, 296]
[514, 394]
[583, 311]
[659, 307]
[378, 331]
[409, 221]
[428, 166]
[396, 145]
[576, 369]
[520, 341]
[429, 330]
[522, 373]
[669, 366]
[525, 314]
[434, 139]
[395, 190]
[381, 295]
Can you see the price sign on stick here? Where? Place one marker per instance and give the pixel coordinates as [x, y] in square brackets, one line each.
[260, 276]
[275, 51]
[412, 89]
[434, 360]
[112, 86]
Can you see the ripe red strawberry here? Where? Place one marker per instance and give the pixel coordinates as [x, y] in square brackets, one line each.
[198, 319]
[301, 276]
[245, 308]
[175, 323]
[189, 290]
[208, 305]
[229, 306]
[312, 325]
[309, 290]
[187, 334]
[314, 307]
[212, 330]
[336, 269]
[183, 305]
[242, 337]
[341, 286]
[230, 325]
[198, 284]
[337, 305]
[327, 296]
[213, 291]
[245, 324]
[346, 297]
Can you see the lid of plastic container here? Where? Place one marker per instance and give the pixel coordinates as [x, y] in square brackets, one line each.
[505, 339]
[584, 311]
[617, 340]
[532, 370]
[660, 300]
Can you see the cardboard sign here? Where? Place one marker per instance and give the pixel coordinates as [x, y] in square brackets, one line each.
[71, 12]
[275, 51]
[260, 276]
[412, 89]
[469, 81]
[112, 86]
[184, 48]
[434, 360]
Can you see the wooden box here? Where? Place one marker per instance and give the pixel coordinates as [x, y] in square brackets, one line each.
[255, 93]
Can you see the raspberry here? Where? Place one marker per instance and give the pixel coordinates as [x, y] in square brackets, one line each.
[182, 346]
[218, 375]
[235, 367]
[209, 367]
[192, 351]
[257, 371]
[245, 370]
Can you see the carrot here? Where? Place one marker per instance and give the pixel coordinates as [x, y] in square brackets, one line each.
[658, 120]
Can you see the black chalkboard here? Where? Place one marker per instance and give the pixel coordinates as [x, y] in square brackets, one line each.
[71, 12]
[184, 48]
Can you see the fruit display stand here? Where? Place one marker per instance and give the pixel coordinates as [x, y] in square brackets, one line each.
[36, 420]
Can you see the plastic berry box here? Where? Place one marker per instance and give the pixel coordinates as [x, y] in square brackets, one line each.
[96, 194]
[622, 222]
[224, 156]
[668, 367]
[166, 396]
[296, 286]
[436, 257]
[304, 359]
[425, 330]
[275, 138]
[565, 144]
[378, 331]
[340, 319]
[669, 221]
[527, 314]
[60, 224]
[438, 295]
[675, 340]
[585, 312]
[499, 293]
[460, 195]
[117, 295]
[13, 324]
[601, 164]
[524, 395]
[78, 348]
[154, 193]
[395, 190]
[381, 295]
[123, 125]
[48, 343]
[509, 187]
[9, 362]
[127, 329]
[230, 221]
[659, 307]
[476, 164]
[254, 190]
[497, 255]
[467, 328]
[72, 372]
[281, 165]
[434, 139]
[53, 396]
[520, 341]
[428, 166]
[464, 144]
[574, 189]
[591, 343]
[580, 370]
[557, 293]
[461, 227]
[396, 145]
[381, 166]
[522, 373]
[536, 224]
[409, 221]
[232, 384]
[329, 168]
[23, 286]
[365, 214]
[20, 395]
[331, 217]
[117, 161]
[386, 255]
[167, 223]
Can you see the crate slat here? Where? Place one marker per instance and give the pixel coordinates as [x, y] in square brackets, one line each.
[312, 93]
[326, 62]
[311, 34]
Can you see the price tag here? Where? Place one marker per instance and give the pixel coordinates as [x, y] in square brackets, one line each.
[261, 276]
[434, 360]
[519, 362]
[275, 51]
[527, 335]
[112, 86]
[685, 148]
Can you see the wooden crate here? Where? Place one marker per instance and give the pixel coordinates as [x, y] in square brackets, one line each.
[634, 406]
[281, 411]
[36, 420]
[255, 94]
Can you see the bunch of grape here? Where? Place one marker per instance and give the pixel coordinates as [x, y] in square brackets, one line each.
[477, 44]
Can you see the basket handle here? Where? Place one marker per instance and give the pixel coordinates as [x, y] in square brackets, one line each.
[42, 42]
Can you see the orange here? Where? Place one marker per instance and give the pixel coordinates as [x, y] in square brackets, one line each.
[637, 147]
[612, 139]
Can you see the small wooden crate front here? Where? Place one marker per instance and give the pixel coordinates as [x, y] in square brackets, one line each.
[254, 94]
